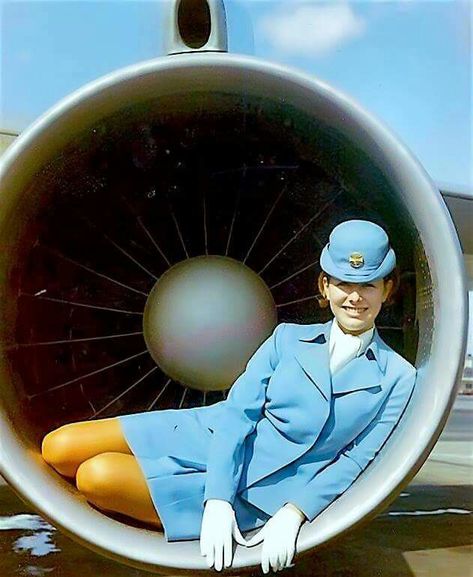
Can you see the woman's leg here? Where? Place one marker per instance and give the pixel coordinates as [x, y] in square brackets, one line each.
[69, 446]
[114, 482]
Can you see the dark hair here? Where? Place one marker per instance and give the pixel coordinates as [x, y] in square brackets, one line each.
[394, 276]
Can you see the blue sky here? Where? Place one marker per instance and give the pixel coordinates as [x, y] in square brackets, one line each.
[406, 61]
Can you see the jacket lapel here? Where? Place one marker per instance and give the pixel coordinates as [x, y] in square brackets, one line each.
[313, 356]
[311, 411]
[363, 372]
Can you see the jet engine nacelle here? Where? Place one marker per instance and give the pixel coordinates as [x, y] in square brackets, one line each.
[202, 153]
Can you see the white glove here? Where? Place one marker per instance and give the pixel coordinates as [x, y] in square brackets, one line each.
[219, 525]
[279, 538]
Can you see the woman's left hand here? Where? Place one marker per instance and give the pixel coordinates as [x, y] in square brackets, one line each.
[279, 538]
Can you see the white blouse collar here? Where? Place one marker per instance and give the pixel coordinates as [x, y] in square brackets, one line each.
[337, 335]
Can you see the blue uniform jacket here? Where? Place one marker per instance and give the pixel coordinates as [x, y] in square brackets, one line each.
[289, 432]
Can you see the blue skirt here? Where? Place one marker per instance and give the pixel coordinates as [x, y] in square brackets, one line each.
[171, 447]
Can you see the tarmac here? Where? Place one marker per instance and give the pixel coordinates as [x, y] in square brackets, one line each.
[426, 532]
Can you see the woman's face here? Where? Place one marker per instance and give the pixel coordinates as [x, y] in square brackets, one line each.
[356, 305]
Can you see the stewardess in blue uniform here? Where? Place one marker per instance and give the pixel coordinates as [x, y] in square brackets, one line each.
[309, 413]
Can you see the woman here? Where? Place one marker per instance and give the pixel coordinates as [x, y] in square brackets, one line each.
[312, 408]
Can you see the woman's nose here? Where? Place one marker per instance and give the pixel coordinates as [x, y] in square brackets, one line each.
[354, 296]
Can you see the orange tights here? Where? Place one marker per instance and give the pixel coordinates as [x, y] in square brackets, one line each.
[106, 472]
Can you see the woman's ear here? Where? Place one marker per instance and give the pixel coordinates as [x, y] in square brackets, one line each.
[324, 287]
[388, 287]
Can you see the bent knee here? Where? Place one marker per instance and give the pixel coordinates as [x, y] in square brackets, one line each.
[95, 478]
[57, 450]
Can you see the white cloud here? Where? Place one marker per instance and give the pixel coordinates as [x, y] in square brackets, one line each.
[313, 30]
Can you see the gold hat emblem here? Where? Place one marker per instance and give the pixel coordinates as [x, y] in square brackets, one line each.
[356, 260]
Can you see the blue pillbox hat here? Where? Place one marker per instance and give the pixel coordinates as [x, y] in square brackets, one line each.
[358, 251]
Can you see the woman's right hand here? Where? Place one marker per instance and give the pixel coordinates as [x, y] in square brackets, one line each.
[219, 528]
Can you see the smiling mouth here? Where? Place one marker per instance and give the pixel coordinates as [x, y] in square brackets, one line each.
[355, 309]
